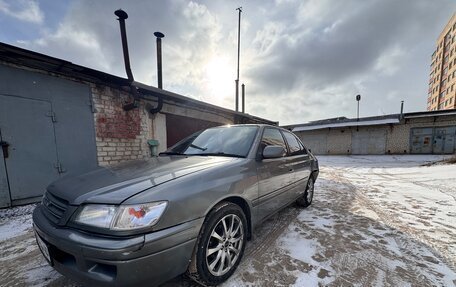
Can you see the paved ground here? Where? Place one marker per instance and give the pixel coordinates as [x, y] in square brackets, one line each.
[375, 221]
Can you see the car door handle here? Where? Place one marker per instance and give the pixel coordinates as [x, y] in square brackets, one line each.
[291, 170]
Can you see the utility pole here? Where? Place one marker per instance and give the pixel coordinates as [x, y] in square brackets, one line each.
[238, 59]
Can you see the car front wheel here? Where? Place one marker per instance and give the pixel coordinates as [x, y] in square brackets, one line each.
[220, 245]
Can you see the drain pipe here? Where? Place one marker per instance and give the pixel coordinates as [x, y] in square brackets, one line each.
[123, 34]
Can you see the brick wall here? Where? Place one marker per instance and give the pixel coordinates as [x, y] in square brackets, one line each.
[123, 135]
[120, 135]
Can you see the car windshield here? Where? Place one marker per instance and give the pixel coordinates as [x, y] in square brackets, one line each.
[234, 141]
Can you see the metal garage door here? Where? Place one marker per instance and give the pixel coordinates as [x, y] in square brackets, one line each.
[444, 140]
[421, 140]
[48, 122]
[369, 141]
[439, 140]
[29, 153]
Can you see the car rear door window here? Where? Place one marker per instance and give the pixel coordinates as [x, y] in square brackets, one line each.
[293, 144]
[272, 136]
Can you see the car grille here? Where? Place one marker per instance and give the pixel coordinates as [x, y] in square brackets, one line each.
[54, 207]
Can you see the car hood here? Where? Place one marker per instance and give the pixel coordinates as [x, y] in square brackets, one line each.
[113, 185]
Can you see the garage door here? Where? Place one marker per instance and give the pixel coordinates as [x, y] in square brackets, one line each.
[444, 140]
[179, 127]
[48, 124]
[369, 142]
[29, 153]
[439, 140]
[317, 143]
[421, 140]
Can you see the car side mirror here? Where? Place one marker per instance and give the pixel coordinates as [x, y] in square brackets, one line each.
[273, 151]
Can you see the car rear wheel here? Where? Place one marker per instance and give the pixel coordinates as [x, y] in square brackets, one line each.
[306, 199]
[220, 245]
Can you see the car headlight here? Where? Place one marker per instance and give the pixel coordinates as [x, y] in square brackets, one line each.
[122, 217]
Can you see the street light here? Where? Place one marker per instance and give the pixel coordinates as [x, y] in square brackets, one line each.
[358, 98]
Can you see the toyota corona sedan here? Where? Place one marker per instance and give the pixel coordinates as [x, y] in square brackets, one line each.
[190, 210]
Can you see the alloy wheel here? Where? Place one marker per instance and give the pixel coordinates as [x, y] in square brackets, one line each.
[224, 245]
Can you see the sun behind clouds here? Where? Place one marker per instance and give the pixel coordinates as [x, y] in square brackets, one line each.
[220, 76]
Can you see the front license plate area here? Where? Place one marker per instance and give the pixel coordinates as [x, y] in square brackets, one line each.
[44, 248]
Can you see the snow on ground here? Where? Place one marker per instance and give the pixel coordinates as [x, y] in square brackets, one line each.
[375, 221]
[407, 196]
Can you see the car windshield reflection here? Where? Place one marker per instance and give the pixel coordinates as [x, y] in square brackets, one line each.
[231, 141]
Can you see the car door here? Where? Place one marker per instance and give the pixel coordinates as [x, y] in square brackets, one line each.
[275, 176]
[299, 161]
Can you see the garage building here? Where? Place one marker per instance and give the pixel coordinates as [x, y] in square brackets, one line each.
[410, 133]
[58, 118]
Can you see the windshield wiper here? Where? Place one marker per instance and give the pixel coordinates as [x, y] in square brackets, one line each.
[219, 154]
[198, 147]
[170, 153]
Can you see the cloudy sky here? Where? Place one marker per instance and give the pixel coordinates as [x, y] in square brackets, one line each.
[301, 60]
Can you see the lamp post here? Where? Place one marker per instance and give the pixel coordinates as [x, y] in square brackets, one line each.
[358, 98]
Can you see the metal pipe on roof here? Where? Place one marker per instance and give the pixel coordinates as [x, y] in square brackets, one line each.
[159, 36]
[123, 34]
[133, 88]
[238, 59]
[243, 97]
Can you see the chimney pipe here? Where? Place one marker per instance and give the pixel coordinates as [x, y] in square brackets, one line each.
[243, 97]
[402, 110]
[123, 34]
[159, 58]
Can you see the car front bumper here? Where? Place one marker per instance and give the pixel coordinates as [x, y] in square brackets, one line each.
[95, 260]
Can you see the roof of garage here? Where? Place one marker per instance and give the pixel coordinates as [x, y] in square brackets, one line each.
[22, 57]
[340, 122]
[347, 124]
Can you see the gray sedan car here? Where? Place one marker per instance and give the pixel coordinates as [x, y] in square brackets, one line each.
[190, 210]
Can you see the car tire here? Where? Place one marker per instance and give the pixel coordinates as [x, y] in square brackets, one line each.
[306, 199]
[220, 245]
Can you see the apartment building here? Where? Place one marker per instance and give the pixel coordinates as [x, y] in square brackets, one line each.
[442, 79]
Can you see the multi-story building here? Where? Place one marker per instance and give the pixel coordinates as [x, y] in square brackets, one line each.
[442, 80]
